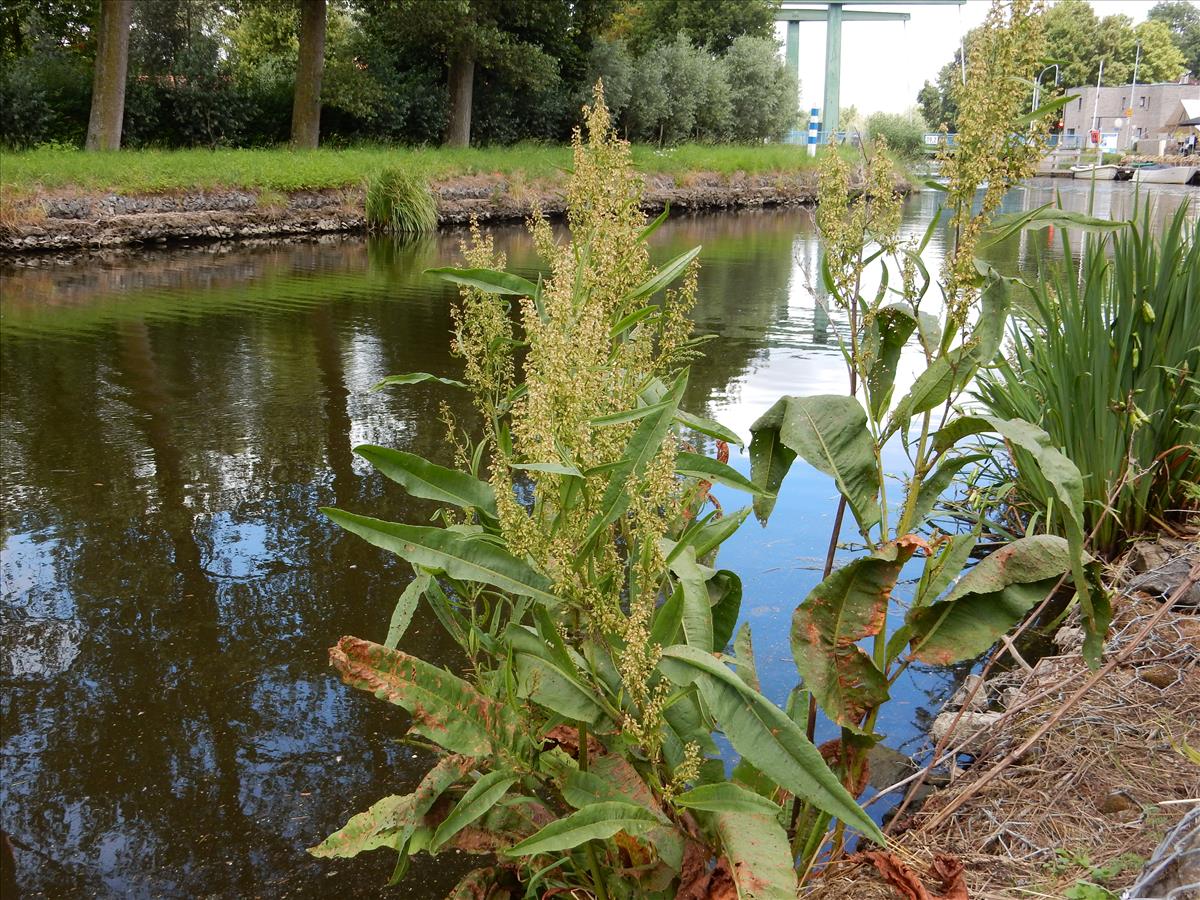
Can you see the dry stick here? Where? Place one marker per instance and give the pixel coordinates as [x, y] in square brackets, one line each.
[1071, 702]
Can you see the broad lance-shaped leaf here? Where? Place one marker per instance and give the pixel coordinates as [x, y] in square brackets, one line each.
[596, 822]
[1064, 477]
[430, 481]
[743, 650]
[391, 821]
[417, 378]
[759, 856]
[490, 281]
[886, 337]
[552, 679]
[849, 605]
[705, 468]
[830, 432]
[405, 607]
[643, 446]
[937, 483]
[664, 276]
[763, 734]
[461, 557]
[725, 796]
[725, 593]
[445, 709]
[988, 600]
[770, 460]
[479, 798]
[697, 608]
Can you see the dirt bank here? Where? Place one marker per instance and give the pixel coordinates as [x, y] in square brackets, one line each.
[71, 220]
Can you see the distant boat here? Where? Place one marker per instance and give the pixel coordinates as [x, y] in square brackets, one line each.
[1098, 172]
[1160, 174]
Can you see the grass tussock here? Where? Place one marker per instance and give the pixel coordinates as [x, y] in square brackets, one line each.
[1106, 363]
[400, 202]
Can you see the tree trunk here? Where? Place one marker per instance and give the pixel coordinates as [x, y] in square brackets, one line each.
[306, 102]
[108, 83]
[462, 88]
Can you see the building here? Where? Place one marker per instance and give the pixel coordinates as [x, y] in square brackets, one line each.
[1148, 113]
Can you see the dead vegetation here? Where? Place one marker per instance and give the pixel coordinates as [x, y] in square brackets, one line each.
[1104, 777]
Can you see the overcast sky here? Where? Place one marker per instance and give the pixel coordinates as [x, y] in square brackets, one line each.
[884, 64]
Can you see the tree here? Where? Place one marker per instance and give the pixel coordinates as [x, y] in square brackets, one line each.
[111, 67]
[1183, 20]
[929, 98]
[713, 24]
[1162, 59]
[310, 67]
[762, 90]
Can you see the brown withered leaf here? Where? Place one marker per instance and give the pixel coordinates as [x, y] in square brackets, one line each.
[949, 871]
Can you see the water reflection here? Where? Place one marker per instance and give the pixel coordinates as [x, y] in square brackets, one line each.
[169, 425]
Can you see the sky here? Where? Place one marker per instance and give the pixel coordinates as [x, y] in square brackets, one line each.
[884, 64]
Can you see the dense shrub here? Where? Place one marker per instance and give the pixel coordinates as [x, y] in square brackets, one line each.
[903, 132]
[762, 92]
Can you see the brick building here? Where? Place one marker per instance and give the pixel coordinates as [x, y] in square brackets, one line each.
[1158, 111]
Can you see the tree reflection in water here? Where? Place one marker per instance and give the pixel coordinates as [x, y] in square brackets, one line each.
[170, 424]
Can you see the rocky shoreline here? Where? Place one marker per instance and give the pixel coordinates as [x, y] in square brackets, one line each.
[76, 221]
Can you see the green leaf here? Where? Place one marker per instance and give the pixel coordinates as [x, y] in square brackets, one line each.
[405, 607]
[370, 830]
[416, 378]
[1044, 110]
[490, 281]
[943, 567]
[629, 415]
[430, 481]
[643, 446]
[937, 483]
[704, 468]
[392, 821]
[743, 650]
[445, 709]
[770, 460]
[479, 798]
[830, 432]
[725, 594]
[995, 303]
[726, 796]
[548, 685]
[988, 600]
[888, 332]
[759, 855]
[476, 884]
[709, 537]
[708, 427]
[764, 735]
[668, 619]
[461, 557]
[599, 821]
[697, 606]
[665, 275]
[631, 320]
[846, 607]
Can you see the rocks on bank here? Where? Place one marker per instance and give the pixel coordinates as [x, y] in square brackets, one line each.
[73, 220]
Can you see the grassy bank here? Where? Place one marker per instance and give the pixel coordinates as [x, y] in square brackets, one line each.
[156, 171]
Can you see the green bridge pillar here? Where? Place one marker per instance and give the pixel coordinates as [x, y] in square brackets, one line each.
[793, 53]
[833, 70]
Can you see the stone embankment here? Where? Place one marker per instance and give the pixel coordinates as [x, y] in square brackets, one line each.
[67, 221]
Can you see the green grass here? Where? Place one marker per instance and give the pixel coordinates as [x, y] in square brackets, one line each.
[399, 201]
[164, 171]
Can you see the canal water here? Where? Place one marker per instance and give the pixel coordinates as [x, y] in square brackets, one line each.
[170, 423]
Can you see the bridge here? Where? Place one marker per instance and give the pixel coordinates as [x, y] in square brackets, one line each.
[834, 13]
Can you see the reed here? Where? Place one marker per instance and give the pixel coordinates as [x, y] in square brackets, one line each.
[1107, 363]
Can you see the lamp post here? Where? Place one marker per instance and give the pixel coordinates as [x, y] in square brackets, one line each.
[1037, 84]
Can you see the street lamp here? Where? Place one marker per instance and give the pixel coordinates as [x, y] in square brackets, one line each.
[1037, 84]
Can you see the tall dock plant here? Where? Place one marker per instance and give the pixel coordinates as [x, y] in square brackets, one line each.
[848, 648]
[575, 567]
